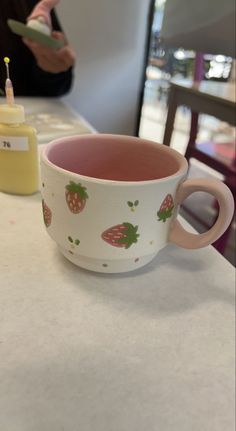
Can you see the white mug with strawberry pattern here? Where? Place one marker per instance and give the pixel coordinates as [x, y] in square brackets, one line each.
[111, 202]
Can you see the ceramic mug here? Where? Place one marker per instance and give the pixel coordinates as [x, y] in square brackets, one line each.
[111, 202]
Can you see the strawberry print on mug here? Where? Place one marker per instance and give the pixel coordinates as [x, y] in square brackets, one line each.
[76, 197]
[166, 208]
[121, 235]
[47, 214]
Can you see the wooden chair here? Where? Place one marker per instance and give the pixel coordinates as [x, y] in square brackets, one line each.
[221, 158]
[200, 98]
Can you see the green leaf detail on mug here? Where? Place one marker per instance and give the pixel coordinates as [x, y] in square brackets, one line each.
[121, 235]
[132, 205]
[166, 208]
[47, 214]
[76, 241]
[76, 197]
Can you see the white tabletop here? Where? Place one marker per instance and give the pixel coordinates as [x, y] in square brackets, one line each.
[53, 118]
[149, 350]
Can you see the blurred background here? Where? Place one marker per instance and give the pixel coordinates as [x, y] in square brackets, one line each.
[176, 27]
[129, 53]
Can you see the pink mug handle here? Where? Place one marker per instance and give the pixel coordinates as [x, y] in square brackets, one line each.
[222, 194]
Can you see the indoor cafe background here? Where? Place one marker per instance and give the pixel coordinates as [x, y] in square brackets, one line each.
[123, 75]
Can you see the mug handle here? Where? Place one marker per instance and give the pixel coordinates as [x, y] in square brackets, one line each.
[222, 194]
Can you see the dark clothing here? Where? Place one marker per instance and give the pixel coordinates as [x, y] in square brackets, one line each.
[28, 79]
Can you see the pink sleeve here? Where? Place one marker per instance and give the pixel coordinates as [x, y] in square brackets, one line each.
[43, 8]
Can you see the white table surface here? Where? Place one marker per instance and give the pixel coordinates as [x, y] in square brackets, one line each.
[53, 118]
[79, 351]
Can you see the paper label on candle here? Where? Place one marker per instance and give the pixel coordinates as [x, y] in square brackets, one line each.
[14, 143]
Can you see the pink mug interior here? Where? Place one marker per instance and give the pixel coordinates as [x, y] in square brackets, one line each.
[115, 157]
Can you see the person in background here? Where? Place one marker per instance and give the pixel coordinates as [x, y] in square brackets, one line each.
[35, 70]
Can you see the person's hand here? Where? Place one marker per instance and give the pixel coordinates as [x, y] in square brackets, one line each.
[49, 59]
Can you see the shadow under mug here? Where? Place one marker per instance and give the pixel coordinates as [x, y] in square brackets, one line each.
[111, 202]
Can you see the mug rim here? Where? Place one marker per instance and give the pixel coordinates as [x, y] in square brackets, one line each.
[183, 164]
